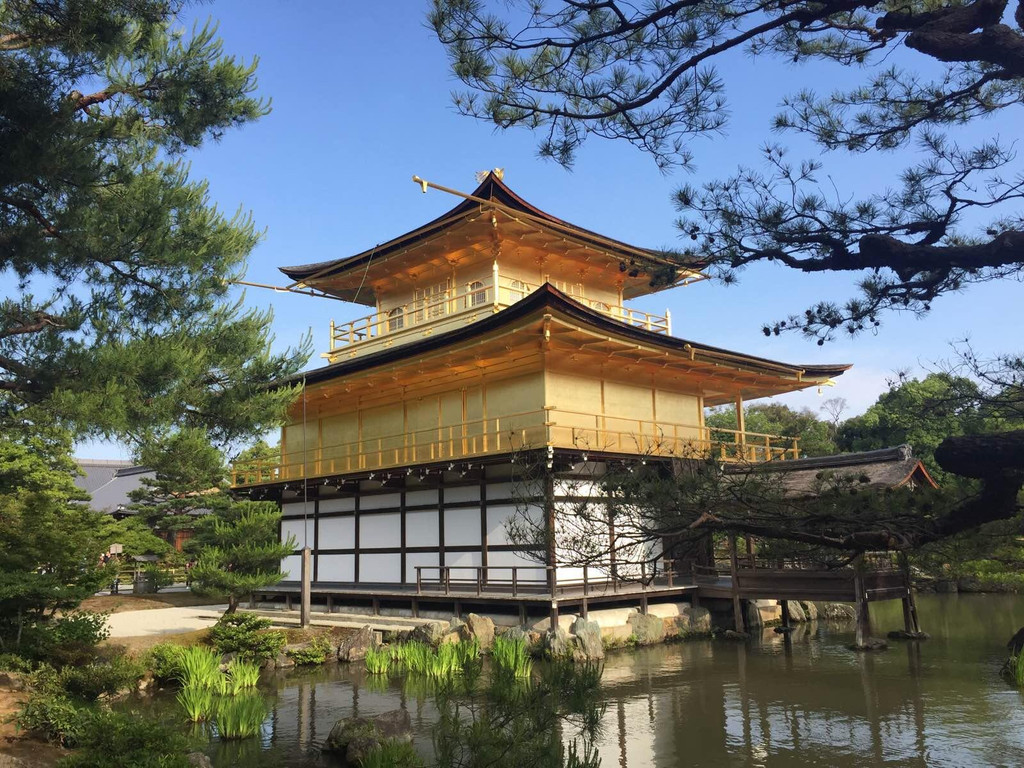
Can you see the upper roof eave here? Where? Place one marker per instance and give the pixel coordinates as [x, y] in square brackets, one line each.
[550, 297]
[490, 188]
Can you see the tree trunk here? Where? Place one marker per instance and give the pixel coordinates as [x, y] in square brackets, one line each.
[232, 604]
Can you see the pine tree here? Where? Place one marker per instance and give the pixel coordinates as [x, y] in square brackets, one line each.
[116, 320]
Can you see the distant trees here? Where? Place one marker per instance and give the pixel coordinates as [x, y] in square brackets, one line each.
[816, 438]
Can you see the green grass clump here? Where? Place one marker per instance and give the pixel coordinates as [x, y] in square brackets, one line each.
[243, 675]
[1015, 669]
[199, 667]
[197, 703]
[511, 657]
[415, 656]
[378, 661]
[392, 754]
[239, 717]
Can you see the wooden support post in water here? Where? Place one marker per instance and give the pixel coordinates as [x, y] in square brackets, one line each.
[737, 609]
[307, 575]
[863, 633]
[910, 622]
[784, 604]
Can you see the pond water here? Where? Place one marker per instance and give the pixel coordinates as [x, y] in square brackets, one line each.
[805, 701]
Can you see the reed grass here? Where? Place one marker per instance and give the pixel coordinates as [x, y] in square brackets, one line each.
[511, 657]
[244, 675]
[239, 717]
[197, 702]
[378, 661]
[199, 667]
[1015, 668]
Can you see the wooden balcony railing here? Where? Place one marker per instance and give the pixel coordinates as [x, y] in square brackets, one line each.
[514, 432]
[410, 320]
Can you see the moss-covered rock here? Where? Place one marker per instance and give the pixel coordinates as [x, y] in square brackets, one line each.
[647, 629]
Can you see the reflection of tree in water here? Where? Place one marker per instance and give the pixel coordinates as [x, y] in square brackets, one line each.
[550, 721]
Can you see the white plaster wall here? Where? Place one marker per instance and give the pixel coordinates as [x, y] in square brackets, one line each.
[337, 533]
[384, 530]
[462, 493]
[296, 509]
[499, 514]
[385, 568]
[420, 498]
[291, 566]
[336, 567]
[462, 527]
[300, 529]
[346, 504]
[413, 559]
[421, 528]
[527, 568]
[465, 562]
[382, 501]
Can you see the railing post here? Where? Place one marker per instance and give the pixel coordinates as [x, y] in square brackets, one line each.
[669, 570]
[586, 584]
[515, 581]
[479, 580]
[419, 580]
[332, 335]
[668, 323]
[447, 579]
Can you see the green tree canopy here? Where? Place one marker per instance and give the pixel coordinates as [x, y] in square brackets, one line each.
[778, 419]
[115, 318]
[921, 412]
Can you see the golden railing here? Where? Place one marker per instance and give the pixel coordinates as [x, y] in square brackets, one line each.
[510, 433]
[467, 298]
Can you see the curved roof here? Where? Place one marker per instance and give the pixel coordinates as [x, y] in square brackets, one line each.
[493, 189]
[550, 298]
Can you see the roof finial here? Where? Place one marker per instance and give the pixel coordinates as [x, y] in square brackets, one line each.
[499, 174]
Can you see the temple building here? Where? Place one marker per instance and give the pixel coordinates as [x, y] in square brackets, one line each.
[497, 336]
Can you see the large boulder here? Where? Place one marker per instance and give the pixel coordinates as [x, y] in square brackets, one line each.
[838, 612]
[796, 612]
[1016, 643]
[481, 628]
[588, 645]
[693, 622]
[430, 633]
[356, 737]
[648, 630]
[557, 643]
[199, 760]
[810, 609]
[752, 613]
[454, 632]
[354, 647]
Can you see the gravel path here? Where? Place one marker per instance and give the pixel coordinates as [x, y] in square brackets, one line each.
[163, 621]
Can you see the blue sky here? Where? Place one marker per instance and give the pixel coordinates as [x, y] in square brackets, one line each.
[360, 97]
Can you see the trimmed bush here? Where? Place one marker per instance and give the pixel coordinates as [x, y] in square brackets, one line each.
[124, 740]
[247, 635]
[164, 661]
[319, 648]
[53, 717]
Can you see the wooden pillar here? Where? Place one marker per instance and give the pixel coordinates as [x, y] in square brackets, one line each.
[784, 604]
[307, 575]
[910, 621]
[737, 609]
[741, 427]
[863, 633]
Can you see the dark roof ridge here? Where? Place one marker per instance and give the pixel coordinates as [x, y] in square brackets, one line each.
[902, 452]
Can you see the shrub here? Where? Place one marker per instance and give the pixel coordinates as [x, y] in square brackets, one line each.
[124, 740]
[99, 678]
[70, 639]
[319, 648]
[54, 717]
[164, 661]
[12, 662]
[158, 577]
[248, 636]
